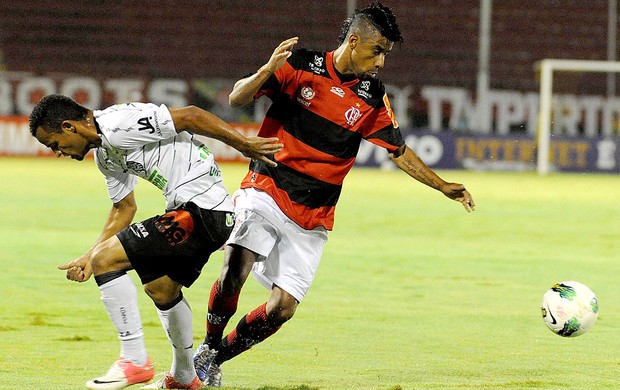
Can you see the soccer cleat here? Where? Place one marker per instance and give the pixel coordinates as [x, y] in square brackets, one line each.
[123, 373]
[203, 357]
[168, 382]
[214, 376]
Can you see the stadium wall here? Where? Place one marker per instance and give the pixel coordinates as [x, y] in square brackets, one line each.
[196, 39]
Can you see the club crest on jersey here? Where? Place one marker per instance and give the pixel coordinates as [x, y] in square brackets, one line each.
[352, 115]
[338, 91]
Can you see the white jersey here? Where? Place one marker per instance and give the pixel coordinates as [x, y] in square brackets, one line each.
[140, 140]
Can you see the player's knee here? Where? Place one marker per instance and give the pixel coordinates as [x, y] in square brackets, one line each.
[230, 285]
[109, 256]
[99, 260]
[158, 295]
[237, 266]
[281, 307]
[161, 293]
[281, 314]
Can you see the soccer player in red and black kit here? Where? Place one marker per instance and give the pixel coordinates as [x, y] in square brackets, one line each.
[324, 104]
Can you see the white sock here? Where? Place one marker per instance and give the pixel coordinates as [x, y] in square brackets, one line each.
[120, 298]
[177, 322]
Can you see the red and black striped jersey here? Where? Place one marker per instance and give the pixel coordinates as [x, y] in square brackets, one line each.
[321, 118]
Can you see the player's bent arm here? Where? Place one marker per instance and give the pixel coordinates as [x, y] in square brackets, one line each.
[245, 89]
[409, 162]
[120, 216]
[200, 122]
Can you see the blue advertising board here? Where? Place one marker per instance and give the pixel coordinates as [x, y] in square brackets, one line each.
[449, 150]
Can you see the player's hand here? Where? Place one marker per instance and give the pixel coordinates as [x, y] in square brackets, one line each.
[458, 192]
[78, 270]
[258, 148]
[280, 54]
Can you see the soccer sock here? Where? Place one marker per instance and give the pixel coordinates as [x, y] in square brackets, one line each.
[221, 308]
[253, 328]
[120, 297]
[176, 318]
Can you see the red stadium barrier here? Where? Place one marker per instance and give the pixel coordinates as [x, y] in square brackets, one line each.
[16, 140]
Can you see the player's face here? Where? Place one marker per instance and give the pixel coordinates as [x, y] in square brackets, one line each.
[66, 143]
[368, 56]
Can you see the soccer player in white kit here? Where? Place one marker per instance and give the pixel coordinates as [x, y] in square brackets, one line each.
[167, 251]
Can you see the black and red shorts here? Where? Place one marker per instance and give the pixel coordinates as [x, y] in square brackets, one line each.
[177, 244]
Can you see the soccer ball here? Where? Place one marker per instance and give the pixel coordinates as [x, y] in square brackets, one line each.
[569, 308]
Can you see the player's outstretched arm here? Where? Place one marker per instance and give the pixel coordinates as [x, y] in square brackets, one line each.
[409, 162]
[245, 89]
[198, 121]
[120, 216]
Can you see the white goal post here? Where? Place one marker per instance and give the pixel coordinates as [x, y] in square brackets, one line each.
[547, 67]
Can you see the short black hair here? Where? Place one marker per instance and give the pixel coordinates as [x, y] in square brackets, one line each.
[379, 16]
[52, 110]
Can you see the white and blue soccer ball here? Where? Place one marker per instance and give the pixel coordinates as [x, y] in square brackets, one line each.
[569, 308]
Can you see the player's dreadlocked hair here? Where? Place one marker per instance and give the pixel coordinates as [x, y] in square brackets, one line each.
[52, 110]
[379, 16]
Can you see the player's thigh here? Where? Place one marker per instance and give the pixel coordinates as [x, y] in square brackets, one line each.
[293, 262]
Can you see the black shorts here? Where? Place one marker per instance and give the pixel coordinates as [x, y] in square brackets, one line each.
[177, 244]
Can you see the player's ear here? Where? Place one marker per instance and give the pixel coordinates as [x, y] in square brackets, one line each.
[353, 40]
[68, 126]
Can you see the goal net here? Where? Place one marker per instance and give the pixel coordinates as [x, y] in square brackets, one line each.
[547, 67]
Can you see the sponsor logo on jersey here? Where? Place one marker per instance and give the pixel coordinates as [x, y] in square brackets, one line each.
[364, 94]
[318, 61]
[204, 151]
[157, 179]
[176, 226]
[230, 219]
[363, 89]
[352, 115]
[214, 171]
[307, 93]
[338, 91]
[136, 167]
[146, 125]
[317, 65]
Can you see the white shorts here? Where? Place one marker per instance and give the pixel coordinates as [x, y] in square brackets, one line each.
[289, 255]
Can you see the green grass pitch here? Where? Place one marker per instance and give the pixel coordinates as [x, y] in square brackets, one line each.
[412, 292]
